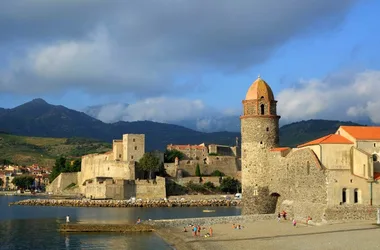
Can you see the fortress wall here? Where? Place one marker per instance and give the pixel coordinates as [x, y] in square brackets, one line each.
[195, 180]
[152, 189]
[99, 166]
[229, 165]
[62, 181]
[133, 146]
[171, 169]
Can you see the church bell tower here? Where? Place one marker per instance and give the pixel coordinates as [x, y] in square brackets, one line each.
[259, 133]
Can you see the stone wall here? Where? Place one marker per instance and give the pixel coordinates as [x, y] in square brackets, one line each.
[350, 212]
[133, 147]
[59, 184]
[195, 180]
[210, 220]
[151, 189]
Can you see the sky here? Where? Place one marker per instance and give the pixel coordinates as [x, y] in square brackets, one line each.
[176, 60]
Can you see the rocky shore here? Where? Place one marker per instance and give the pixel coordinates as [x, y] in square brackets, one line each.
[128, 203]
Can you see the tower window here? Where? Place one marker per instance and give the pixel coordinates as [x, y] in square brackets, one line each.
[134, 140]
[262, 109]
[261, 142]
[135, 147]
[131, 157]
[267, 129]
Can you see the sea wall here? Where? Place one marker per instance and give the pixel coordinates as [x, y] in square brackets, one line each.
[128, 203]
[210, 220]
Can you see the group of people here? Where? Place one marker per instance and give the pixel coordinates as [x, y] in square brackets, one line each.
[196, 230]
[237, 226]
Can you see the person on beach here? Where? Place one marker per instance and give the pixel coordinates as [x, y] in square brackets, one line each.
[279, 217]
[138, 220]
[67, 219]
[284, 214]
[294, 222]
[210, 231]
[195, 229]
[199, 230]
[184, 229]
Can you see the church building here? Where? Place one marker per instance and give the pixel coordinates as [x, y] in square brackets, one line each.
[337, 170]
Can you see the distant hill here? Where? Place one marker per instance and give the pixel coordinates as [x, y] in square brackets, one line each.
[38, 118]
[297, 133]
[25, 150]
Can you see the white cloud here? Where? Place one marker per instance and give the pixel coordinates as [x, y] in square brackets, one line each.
[353, 96]
[146, 47]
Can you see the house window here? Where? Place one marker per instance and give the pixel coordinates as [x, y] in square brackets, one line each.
[374, 145]
[356, 195]
[344, 198]
[262, 108]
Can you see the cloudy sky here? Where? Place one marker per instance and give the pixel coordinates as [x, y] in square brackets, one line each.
[180, 59]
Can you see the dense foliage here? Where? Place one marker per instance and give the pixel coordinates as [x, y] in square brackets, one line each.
[198, 170]
[149, 163]
[62, 165]
[230, 185]
[217, 173]
[170, 155]
[23, 181]
[1, 182]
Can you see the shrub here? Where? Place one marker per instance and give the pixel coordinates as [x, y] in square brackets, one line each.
[209, 185]
[230, 185]
[217, 173]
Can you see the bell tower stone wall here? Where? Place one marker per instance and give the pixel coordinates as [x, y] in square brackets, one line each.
[259, 133]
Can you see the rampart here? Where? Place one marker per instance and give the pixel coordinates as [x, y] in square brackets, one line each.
[59, 184]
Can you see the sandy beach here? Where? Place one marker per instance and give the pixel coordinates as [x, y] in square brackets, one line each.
[278, 235]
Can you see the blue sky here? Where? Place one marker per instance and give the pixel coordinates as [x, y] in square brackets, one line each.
[321, 58]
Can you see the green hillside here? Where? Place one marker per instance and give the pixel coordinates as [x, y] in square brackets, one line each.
[25, 150]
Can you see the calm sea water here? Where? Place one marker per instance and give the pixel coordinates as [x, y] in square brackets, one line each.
[23, 227]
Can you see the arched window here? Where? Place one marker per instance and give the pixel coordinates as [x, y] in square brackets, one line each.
[374, 157]
[356, 195]
[262, 106]
[344, 198]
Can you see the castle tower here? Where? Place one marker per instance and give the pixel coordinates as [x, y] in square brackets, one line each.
[259, 133]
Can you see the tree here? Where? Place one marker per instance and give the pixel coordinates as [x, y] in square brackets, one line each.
[149, 163]
[77, 165]
[170, 155]
[161, 170]
[230, 185]
[198, 171]
[1, 182]
[59, 167]
[23, 181]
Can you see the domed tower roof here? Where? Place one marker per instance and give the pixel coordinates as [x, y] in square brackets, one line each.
[259, 89]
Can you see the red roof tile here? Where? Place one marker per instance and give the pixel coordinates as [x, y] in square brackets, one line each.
[279, 149]
[363, 132]
[328, 139]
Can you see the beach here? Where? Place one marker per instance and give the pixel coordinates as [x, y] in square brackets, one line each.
[278, 235]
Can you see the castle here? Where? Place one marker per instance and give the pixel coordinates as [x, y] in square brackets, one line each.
[112, 175]
[332, 173]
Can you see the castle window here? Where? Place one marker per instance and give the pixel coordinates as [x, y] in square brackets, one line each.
[344, 195]
[134, 140]
[262, 109]
[374, 157]
[119, 155]
[267, 129]
[261, 142]
[356, 195]
[135, 147]
[131, 157]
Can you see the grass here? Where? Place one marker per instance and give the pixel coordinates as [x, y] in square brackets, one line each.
[24, 150]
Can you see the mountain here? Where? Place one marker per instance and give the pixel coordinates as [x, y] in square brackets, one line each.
[300, 132]
[38, 118]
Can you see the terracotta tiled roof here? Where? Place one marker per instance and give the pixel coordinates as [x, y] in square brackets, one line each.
[328, 139]
[279, 149]
[363, 132]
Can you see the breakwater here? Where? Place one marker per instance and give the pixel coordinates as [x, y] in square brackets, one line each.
[127, 203]
[92, 228]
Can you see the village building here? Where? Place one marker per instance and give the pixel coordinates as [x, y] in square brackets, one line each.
[332, 173]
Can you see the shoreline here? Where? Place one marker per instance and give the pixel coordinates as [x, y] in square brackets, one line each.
[128, 203]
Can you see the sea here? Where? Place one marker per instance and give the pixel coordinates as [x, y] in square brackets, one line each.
[33, 227]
